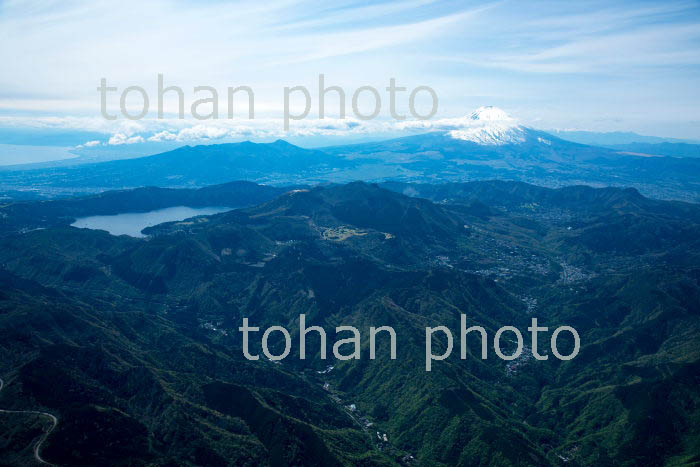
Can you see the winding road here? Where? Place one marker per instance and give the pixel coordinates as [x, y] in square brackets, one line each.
[37, 446]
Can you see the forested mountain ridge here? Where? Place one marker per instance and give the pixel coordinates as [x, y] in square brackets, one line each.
[118, 335]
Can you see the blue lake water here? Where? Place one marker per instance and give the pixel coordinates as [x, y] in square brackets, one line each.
[132, 223]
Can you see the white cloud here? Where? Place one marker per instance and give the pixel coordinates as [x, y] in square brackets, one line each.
[203, 132]
[174, 130]
[121, 138]
[623, 39]
[636, 61]
[163, 136]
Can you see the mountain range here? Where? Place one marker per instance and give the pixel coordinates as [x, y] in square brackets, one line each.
[132, 343]
[487, 144]
[126, 350]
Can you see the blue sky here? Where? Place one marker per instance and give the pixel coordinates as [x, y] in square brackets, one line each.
[601, 66]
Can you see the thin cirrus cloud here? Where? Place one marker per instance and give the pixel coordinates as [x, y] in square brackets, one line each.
[616, 40]
[539, 58]
[365, 40]
[652, 47]
[68, 47]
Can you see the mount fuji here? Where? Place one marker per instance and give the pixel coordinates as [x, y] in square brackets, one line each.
[484, 144]
[490, 144]
[488, 133]
[490, 126]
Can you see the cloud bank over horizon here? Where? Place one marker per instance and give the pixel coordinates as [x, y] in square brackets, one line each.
[173, 130]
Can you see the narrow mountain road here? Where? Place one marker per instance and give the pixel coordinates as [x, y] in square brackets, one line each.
[37, 446]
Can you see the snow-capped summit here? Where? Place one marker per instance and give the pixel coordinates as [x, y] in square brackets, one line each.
[491, 114]
[490, 125]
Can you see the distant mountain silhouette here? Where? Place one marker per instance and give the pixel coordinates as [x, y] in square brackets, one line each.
[487, 144]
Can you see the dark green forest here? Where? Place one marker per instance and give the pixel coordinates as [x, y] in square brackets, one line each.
[133, 344]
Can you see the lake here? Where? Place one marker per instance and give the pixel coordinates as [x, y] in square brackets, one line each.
[132, 223]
